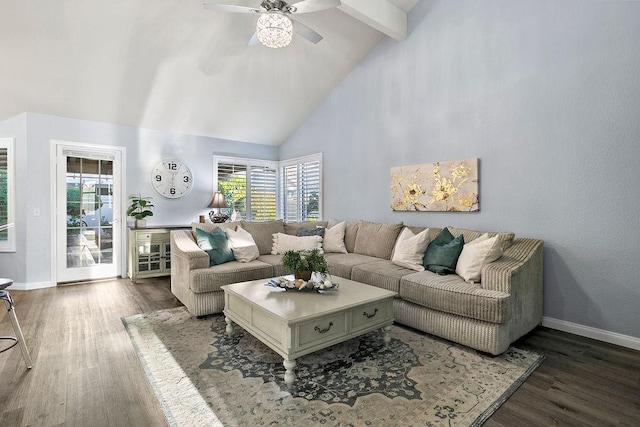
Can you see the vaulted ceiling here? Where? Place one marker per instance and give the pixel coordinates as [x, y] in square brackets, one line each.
[171, 65]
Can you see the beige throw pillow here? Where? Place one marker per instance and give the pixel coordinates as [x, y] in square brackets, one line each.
[284, 242]
[334, 238]
[476, 254]
[243, 246]
[409, 249]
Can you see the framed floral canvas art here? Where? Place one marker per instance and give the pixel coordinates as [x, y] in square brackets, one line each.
[450, 186]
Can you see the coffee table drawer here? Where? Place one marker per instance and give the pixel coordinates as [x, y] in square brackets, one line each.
[238, 307]
[369, 314]
[320, 330]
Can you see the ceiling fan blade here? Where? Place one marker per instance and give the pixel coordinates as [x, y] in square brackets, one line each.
[306, 32]
[230, 8]
[306, 6]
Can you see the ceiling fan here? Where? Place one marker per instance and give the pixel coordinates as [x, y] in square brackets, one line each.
[275, 25]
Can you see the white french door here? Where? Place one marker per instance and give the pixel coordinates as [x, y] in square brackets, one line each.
[88, 212]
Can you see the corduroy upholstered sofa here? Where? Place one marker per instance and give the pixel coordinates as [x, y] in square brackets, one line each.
[487, 316]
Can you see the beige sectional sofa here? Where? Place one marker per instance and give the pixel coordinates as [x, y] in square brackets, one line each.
[487, 316]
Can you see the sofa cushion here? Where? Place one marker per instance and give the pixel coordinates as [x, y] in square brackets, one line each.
[442, 253]
[476, 255]
[409, 249]
[275, 261]
[210, 279]
[433, 231]
[209, 227]
[506, 239]
[304, 231]
[293, 227]
[333, 240]
[375, 239]
[242, 244]
[451, 294]
[350, 233]
[342, 264]
[216, 245]
[284, 242]
[263, 232]
[382, 273]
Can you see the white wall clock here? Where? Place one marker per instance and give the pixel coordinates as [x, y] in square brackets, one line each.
[172, 178]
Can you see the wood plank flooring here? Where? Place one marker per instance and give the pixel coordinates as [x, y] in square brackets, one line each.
[86, 372]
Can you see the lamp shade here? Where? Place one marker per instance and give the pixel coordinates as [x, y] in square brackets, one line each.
[218, 201]
[274, 29]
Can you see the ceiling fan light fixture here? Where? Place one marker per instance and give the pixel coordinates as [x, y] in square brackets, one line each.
[274, 29]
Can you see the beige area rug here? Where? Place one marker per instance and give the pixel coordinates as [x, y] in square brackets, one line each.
[201, 377]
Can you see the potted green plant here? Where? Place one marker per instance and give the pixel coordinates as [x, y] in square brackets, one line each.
[304, 263]
[140, 209]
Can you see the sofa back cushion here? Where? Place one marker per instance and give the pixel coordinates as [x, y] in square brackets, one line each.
[375, 239]
[506, 239]
[433, 231]
[209, 227]
[350, 234]
[292, 228]
[263, 232]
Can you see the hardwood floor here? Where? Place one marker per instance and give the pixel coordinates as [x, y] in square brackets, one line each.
[86, 372]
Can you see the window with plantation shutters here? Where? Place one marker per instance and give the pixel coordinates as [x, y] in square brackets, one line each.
[301, 188]
[249, 186]
[259, 190]
[7, 229]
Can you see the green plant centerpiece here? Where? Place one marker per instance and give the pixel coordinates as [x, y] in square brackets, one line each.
[140, 207]
[304, 263]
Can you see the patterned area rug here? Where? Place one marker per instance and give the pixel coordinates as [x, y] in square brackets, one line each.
[203, 378]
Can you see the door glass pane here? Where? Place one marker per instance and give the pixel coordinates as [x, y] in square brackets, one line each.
[89, 211]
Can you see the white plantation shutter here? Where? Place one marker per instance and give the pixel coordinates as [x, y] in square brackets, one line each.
[289, 193]
[249, 186]
[301, 188]
[263, 193]
[232, 182]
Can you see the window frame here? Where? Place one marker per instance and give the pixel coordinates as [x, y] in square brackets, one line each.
[9, 245]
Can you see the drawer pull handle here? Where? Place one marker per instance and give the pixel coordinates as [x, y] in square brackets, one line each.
[369, 316]
[322, 331]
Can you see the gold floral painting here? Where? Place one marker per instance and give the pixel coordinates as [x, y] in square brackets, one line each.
[450, 186]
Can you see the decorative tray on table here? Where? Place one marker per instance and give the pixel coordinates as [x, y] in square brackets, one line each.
[299, 285]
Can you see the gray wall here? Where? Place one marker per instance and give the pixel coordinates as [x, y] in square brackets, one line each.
[31, 263]
[546, 94]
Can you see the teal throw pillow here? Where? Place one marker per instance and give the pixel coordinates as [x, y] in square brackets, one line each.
[305, 231]
[443, 252]
[216, 245]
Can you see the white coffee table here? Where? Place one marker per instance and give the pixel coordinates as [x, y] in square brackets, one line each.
[297, 323]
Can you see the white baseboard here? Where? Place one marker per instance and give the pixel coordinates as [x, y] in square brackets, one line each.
[594, 333]
[30, 286]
